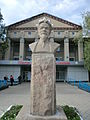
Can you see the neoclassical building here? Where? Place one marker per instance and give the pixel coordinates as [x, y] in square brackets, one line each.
[69, 57]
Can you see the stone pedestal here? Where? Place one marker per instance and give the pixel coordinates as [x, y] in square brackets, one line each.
[43, 96]
[24, 114]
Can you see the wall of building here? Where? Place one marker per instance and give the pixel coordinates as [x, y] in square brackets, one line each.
[9, 70]
[77, 73]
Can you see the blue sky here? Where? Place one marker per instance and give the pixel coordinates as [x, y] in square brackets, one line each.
[16, 10]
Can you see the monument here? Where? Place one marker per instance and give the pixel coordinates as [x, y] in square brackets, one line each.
[43, 77]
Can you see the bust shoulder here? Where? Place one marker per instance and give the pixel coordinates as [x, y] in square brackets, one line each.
[32, 46]
[54, 46]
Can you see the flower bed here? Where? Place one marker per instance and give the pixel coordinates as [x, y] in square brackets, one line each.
[70, 112]
[12, 113]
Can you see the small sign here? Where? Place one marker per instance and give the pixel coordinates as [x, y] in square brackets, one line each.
[63, 63]
[24, 62]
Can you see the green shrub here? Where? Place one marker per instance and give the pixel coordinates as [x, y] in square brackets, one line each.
[12, 113]
[71, 113]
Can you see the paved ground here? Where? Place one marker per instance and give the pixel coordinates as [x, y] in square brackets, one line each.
[66, 94]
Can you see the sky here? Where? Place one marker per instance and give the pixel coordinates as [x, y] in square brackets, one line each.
[16, 10]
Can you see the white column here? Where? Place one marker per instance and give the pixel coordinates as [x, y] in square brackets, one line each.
[80, 51]
[7, 54]
[66, 49]
[21, 49]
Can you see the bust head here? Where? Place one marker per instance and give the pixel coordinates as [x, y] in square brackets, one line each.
[44, 29]
[44, 44]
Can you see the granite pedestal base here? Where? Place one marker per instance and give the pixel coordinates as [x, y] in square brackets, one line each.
[24, 114]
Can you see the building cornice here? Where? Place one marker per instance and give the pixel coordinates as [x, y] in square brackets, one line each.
[54, 28]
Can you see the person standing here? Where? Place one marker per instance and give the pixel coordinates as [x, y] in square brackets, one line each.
[11, 80]
[5, 79]
[19, 79]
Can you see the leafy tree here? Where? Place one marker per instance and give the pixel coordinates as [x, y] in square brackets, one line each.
[3, 38]
[84, 36]
[86, 23]
[87, 54]
[78, 37]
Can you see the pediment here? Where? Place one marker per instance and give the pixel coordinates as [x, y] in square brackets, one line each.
[32, 22]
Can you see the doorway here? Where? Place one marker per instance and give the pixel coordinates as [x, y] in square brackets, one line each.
[26, 73]
[60, 73]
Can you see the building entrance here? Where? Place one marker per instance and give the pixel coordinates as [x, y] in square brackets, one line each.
[60, 73]
[26, 73]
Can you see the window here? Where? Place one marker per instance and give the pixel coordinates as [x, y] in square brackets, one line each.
[59, 33]
[88, 31]
[29, 33]
[28, 49]
[58, 49]
[73, 33]
[15, 33]
[28, 58]
[57, 58]
[72, 48]
[16, 48]
[72, 59]
[16, 57]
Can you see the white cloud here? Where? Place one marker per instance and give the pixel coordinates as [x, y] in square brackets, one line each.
[75, 18]
[69, 6]
[9, 3]
[16, 10]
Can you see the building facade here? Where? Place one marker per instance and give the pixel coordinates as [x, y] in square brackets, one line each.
[69, 57]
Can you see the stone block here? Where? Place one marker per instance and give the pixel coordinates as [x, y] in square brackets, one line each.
[24, 114]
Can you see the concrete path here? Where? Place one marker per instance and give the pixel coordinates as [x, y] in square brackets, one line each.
[65, 94]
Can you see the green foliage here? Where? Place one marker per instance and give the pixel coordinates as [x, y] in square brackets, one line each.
[84, 36]
[71, 113]
[3, 39]
[86, 22]
[87, 54]
[86, 28]
[78, 37]
[12, 113]
[2, 28]
[4, 47]
[1, 17]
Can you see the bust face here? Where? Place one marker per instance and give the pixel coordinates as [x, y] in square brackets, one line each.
[44, 31]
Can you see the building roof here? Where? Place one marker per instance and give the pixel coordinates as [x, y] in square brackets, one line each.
[72, 25]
